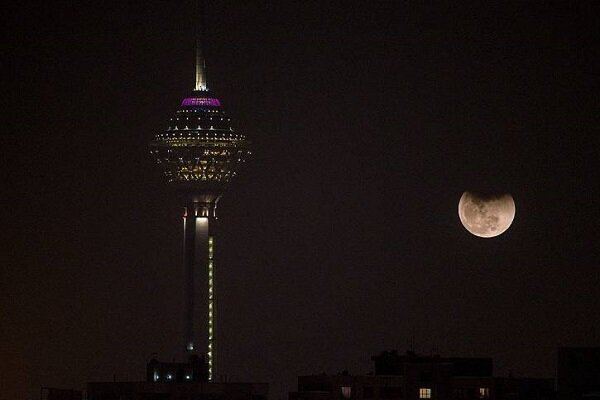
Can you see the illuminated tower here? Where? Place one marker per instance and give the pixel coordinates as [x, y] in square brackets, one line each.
[200, 153]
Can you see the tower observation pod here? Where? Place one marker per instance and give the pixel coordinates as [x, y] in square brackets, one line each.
[199, 154]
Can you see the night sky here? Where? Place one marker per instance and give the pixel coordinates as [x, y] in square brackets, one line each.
[341, 238]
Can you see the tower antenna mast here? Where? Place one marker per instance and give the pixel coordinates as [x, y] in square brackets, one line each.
[200, 34]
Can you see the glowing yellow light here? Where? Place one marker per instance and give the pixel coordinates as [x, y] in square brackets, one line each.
[210, 299]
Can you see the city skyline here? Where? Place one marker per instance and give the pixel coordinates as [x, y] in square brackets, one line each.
[342, 236]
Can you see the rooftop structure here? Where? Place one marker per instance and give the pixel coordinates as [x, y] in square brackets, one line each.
[176, 391]
[578, 373]
[412, 376]
[177, 381]
[195, 370]
[47, 393]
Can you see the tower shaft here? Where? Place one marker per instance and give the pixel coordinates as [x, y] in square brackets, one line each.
[200, 295]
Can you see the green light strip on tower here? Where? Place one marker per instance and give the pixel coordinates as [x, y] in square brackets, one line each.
[211, 301]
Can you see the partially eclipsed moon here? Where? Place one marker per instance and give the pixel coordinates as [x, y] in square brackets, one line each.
[486, 216]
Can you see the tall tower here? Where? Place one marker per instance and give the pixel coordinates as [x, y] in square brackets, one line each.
[200, 153]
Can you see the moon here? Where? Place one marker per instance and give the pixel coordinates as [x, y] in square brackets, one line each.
[486, 216]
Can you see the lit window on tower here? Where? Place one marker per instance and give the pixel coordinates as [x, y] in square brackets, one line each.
[210, 306]
[424, 393]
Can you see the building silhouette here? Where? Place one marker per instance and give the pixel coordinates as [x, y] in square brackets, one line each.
[176, 391]
[48, 393]
[413, 376]
[177, 381]
[578, 373]
[195, 370]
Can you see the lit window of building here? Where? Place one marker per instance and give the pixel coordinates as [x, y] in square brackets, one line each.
[484, 393]
[346, 392]
[424, 393]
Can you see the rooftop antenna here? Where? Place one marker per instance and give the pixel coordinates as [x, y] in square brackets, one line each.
[200, 63]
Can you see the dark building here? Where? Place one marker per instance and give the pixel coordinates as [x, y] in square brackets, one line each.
[176, 391]
[177, 380]
[578, 373]
[531, 388]
[412, 376]
[60, 394]
[195, 370]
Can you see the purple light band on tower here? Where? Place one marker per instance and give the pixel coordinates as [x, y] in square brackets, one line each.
[201, 101]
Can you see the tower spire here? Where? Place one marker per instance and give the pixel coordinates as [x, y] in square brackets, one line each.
[200, 64]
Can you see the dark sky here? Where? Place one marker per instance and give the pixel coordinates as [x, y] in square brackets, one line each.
[341, 239]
